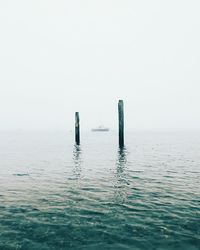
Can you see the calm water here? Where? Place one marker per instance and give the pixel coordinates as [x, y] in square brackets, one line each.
[54, 195]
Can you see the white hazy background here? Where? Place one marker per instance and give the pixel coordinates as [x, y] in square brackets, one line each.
[61, 56]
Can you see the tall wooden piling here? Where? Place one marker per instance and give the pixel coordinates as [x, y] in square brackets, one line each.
[121, 123]
[77, 128]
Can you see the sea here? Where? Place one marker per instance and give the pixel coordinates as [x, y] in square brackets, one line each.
[58, 195]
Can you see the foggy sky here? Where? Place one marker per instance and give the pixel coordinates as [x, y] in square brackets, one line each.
[61, 56]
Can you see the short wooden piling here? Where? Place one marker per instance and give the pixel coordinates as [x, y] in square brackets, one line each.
[77, 128]
[121, 123]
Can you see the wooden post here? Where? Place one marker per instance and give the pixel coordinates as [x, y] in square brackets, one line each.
[77, 128]
[121, 123]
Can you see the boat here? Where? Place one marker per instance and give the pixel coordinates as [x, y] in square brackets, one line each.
[100, 129]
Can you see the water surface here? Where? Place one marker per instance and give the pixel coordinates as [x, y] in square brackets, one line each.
[54, 195]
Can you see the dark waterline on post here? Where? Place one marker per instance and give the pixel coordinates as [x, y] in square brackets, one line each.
[77, 128]
[121, 123]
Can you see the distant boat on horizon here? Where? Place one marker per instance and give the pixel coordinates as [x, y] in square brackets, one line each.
[100, 129]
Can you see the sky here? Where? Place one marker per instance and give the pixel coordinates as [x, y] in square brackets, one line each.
[61, 56]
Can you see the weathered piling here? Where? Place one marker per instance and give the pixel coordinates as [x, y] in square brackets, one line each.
[121, 123]
[77, 128]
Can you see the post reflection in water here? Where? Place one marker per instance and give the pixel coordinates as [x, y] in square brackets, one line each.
[121, 160]
[77, 161]
[122, 181]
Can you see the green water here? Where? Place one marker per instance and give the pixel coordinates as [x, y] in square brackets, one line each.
[54, 195]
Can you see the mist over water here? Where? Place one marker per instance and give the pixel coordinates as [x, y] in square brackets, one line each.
[56, 195]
